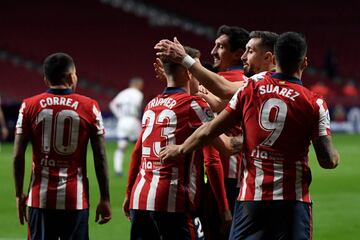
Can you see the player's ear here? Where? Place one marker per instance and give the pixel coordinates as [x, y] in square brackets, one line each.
[268, 56]
[188, 74]
[304, 64]
[238, 54]
[69, 79]
[47, 83]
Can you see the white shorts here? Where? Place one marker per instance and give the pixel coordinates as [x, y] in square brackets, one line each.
[128, 128]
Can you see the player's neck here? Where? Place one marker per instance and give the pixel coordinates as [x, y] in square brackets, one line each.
[177, 82]
[296, 74]
[60, 87]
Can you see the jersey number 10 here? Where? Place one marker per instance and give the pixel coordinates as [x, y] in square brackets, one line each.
[54, 130]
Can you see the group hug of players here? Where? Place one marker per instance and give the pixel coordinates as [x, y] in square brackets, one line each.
[251, 182]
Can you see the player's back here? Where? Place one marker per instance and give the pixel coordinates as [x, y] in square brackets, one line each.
[283, 114]
[59, 124]
[169, 118]
[280, 117]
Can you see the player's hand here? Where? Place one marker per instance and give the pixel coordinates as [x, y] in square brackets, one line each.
[226, 219]
[21, 207]
[169, 153]
[172, 50]
[203, 90]
[159, 70]
[103, 212]
[126, 207]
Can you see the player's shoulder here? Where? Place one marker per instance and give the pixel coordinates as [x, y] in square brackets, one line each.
[33, 101]
[85, 103]
[35, 97]
[233, 75]
[82, 98]
[260, 76]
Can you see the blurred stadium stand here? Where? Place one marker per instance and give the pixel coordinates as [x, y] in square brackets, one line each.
[112, 40]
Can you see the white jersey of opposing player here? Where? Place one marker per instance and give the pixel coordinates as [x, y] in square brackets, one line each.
[127, 103]
[126, 107]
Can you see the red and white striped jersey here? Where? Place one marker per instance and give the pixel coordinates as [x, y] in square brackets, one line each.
[279, 117]
[231, 164]
[169, 118]
[209, 157]
[59, 124]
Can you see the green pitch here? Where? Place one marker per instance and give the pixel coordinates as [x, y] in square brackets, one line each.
[335, 193]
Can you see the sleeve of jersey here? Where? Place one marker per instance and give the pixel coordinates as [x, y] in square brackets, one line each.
[215, 175]
[98, 123]
[233, 105]
[200, 113]
[21, 124]
[134, 166]
[323, 127]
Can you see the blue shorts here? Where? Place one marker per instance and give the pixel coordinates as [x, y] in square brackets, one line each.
[52, 224]
[153, 225]
[211, 218]
[272, 220]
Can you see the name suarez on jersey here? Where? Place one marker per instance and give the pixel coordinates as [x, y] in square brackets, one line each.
[282, 91]
[50, 101]
[167, 102]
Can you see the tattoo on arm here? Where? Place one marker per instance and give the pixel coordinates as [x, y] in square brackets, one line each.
[236, 144]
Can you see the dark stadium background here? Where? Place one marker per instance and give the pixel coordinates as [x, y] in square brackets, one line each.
[112, 41]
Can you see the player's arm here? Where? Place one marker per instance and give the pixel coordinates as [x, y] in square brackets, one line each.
[133, 172]
[216, 104]
[327, 156]
[215, 83]
[103, 211]
[4, 131]
[215, 175]
[212, 81]
[205, 134]
[114, 107]
[20, 144]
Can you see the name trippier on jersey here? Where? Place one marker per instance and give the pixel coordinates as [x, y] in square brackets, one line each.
[286, 92]
[63, 101]
[167, 102]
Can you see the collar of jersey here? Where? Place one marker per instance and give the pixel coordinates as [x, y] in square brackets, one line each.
[58, 91]
[235, 67]
[170, 90]
[287, 78]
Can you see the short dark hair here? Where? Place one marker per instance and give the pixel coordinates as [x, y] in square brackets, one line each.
[170, 67]
[268, 39]
[290, 51]
[56, 67]
[238, 37]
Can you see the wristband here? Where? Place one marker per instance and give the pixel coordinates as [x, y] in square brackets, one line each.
[188, 61]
